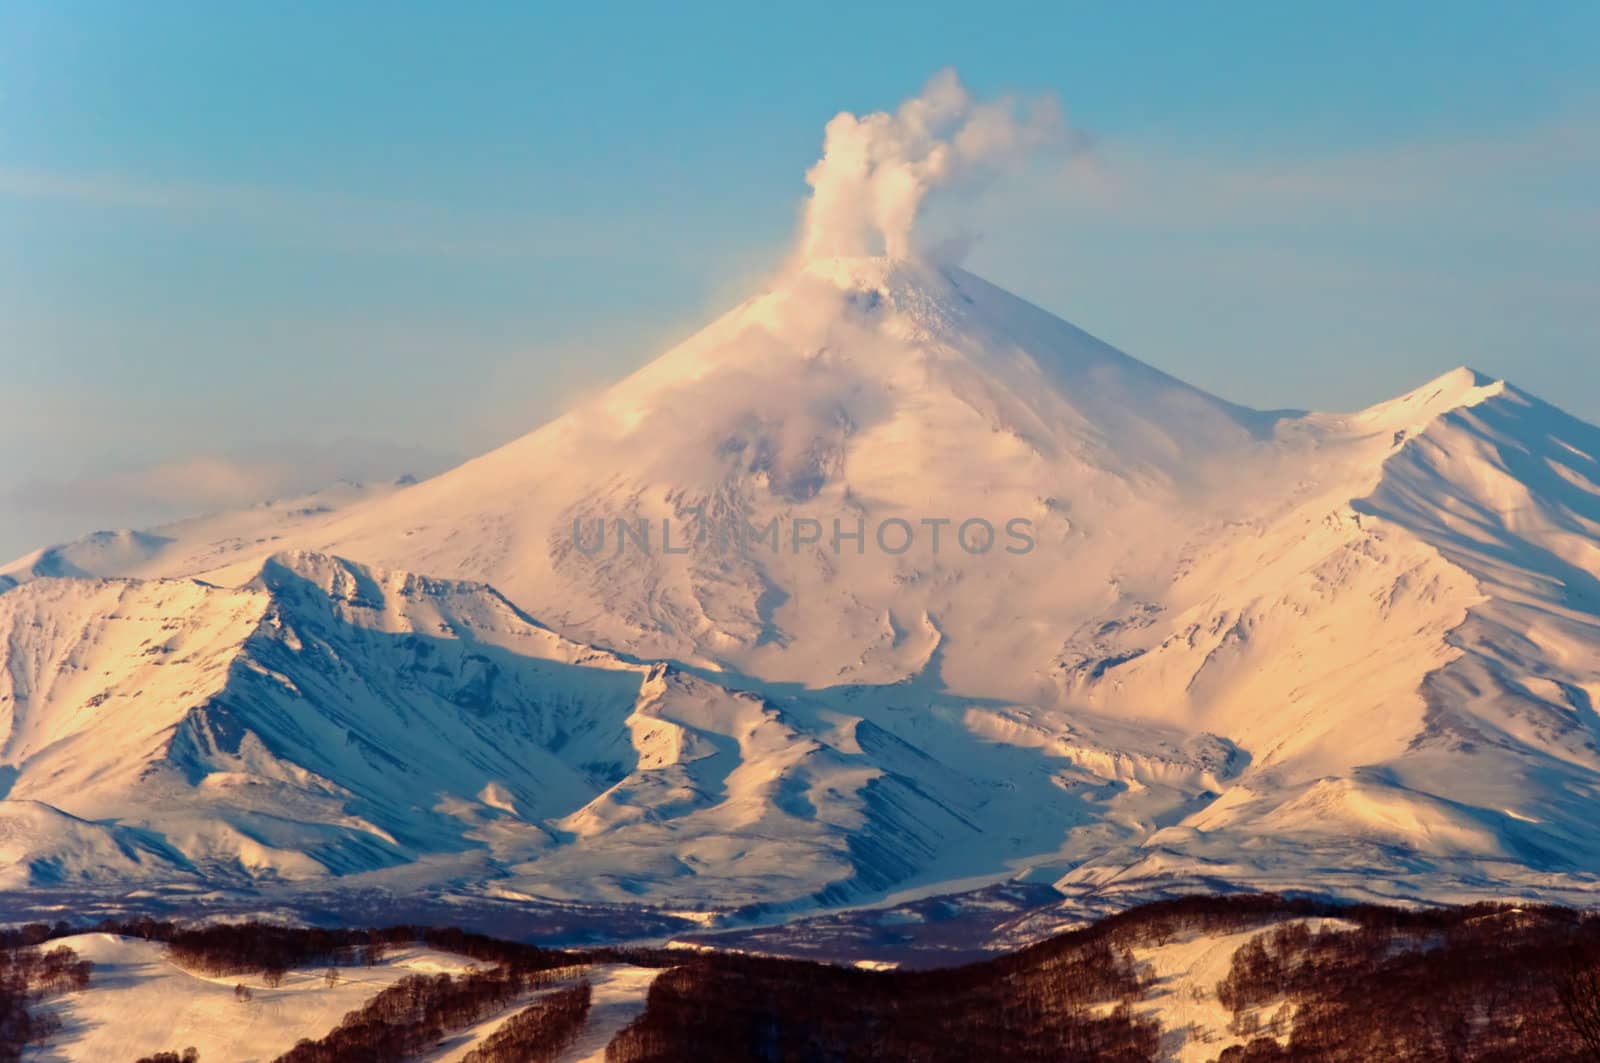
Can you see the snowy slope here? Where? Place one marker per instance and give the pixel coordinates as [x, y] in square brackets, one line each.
[1195, 1027]
[857, 391]
[619, 997]
[139, 1003]
[283, 728]
[1354, 652]
[1412, 672]
[329, 719]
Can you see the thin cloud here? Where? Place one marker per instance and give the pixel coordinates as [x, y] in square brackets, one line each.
[1143, 183]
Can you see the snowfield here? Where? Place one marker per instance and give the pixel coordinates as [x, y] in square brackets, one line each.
[1195, 1027]
[619, 992]
[139, 1003]
[619, 997]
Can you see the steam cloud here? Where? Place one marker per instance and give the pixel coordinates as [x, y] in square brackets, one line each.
[877, 170]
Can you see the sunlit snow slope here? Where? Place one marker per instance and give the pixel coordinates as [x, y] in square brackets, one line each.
[329, 719]
[1352, 652]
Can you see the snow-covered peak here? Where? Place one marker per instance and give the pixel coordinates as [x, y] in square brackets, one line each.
[1361, 634]
[1460, 387]
[859, 272]
[895, 279]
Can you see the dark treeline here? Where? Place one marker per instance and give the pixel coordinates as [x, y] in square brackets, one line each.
[485, 949]
[236, 948]
[29, 974]
[1484, 984]
[1058, 1004]
[188, 1055]
[540, 1032]
[231, 948]
[1487, 984]
[417, 1012]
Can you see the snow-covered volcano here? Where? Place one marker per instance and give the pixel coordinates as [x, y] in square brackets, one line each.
[1352, 652]
[877, 406]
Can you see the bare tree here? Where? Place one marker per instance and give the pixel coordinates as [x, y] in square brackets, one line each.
[1579, 989]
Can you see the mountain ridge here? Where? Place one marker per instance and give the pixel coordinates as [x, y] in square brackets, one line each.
[1354, 652]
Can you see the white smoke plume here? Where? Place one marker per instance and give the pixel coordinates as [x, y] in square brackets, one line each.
[877, 170]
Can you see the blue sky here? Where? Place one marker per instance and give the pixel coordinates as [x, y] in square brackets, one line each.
[279, 242]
